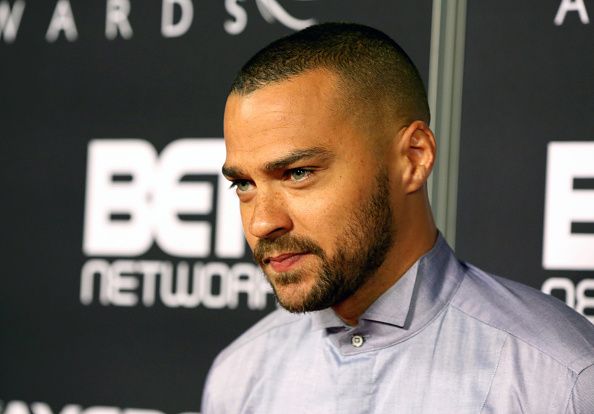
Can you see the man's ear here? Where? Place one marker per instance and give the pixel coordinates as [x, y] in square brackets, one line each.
[417, 151]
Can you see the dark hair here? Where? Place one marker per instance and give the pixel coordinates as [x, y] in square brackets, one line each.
[371, 66]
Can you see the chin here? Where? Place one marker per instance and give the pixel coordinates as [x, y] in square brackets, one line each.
[293, 297]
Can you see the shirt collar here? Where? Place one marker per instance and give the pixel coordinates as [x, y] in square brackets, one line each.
[419, 293]
[393, 305]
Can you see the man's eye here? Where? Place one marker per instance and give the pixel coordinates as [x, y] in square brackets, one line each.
[241, 185]
[299, 174]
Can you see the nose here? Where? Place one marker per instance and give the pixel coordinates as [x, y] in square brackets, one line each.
[269, 216]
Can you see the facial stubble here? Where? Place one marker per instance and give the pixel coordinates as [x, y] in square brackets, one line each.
[362, 247]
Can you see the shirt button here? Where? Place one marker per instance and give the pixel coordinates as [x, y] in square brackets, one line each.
[357, 341]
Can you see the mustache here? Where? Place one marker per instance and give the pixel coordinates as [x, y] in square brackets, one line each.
[285, 244]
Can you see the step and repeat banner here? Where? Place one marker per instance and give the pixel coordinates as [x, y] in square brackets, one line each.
[124, 268]
[526, 187]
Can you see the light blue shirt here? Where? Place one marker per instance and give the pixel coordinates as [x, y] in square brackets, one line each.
[446, 338]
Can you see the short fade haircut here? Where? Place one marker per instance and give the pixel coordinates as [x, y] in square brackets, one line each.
[371, 66]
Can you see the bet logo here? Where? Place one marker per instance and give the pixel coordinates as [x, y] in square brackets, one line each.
[568, 242]
[179, 200]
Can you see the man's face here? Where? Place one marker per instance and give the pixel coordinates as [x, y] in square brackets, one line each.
[313, 193]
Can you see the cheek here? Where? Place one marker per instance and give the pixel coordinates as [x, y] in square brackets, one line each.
[325, 215]
[319, 217]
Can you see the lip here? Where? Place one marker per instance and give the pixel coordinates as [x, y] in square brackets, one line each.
[284, 262]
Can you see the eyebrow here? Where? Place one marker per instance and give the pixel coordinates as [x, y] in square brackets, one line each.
[287, 160]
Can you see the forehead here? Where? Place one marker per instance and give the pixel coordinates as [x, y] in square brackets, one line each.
[304, 111]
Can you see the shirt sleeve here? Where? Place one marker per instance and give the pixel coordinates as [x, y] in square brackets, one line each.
[581, 400]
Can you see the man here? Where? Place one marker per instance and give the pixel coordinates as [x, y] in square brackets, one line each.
[329, 151]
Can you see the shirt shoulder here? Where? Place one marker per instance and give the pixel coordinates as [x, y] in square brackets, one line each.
[276, 323]
[241, 364]
[539, 321]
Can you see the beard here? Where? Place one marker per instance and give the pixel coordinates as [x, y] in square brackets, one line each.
[362, 247]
